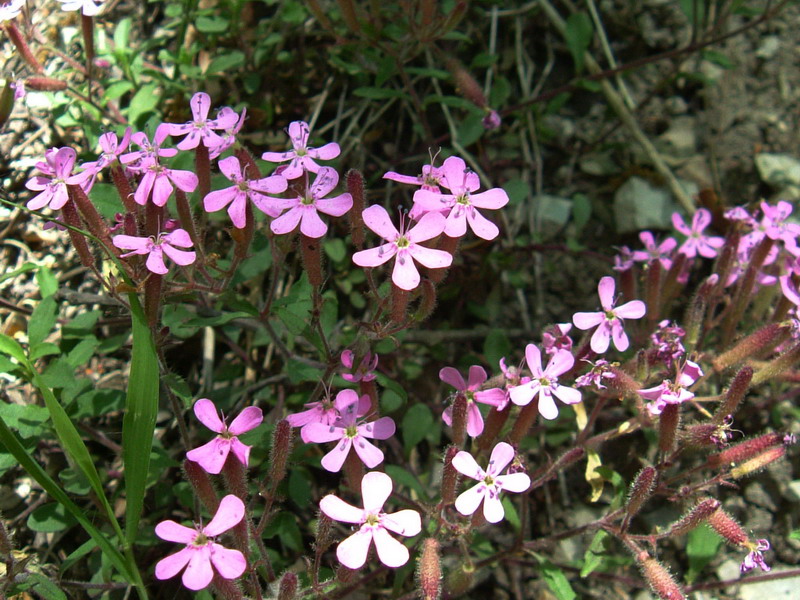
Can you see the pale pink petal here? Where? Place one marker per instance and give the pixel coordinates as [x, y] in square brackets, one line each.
[237, 211]
[433, 201]
[220, 199]
[400, 178]
[171, 565]
[493, 199]
[701, 219]
[175, 532]
[155, 262]
[567, 394]
[298, 133]
[336, 206]
[428, 227]
[320, 433]
[230, 564]
[181, 257]
[250, 418]
[287, 222]
[605, 290]
[405, 522]
[162, 190]
[561, 362]
[678, 223]
[382, 429]
[492, 397]
[493, 509]
[325, 181]
[456, 222]
[276, 157]
[347, 358]
[587, 320]
[481, 226]
[128, 242]
[405, 274]
[352, 552]
[200, 105]
[502, 454]
[547, 406]
[635, 309]
[521, 395]
[533, 356]
[619, 336]
[334, 459]
[185, 180]
[370, 454]
[375, 490]
[464, 463]
[430, 257]
[240, 451]
[307, 416]
[469, 501]
[378, 220]
[274, 184]
[600, 338]
[179, 237]
[452, 377]
[39, 200]
[514, 482]
[447, 416]
[390, 552]
[60, 197]
[454, 169]
[199, 573]
[339, 510]
[267, 205]
[327, 152]
[206, 413]
[211, 456]
[374, 257]
[474, 420]
[311, 225]
[229, 514]
[231, 168]
[476, 377]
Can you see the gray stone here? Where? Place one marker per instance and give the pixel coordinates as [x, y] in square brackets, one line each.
[777, 589]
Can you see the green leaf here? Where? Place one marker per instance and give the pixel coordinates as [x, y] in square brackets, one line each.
[42, 321]
[139, 422]
[48, 284]
[23, 269]
[300, 371]
[335, 249]
[511, 512]
[375, 93]
[557, 581]
[122, 33]
[143, 102]
[578, 35]
[408, 479]
[581, 211]
[44, 349]
[299, 487]
[416, 424]
[701, 548]
[225, 63]
[44, 588]
[82, 351]
[49, 518]
[118, 89]
[795, 535]
[81, 325]
[496, 346]
[595, 553]
[213, 24]
[28, 419]
[470, 130]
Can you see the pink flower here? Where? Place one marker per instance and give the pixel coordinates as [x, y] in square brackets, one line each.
[364, 371]
[374, 524]
[556, 338]
[148, 150]
[429, 180]
[348, 433]
[303, 209]
[755, 558]
[668, 392]
[9, 9]
[111, 148]
[599, 371]
[491, 482]
[404, 245]
[88, 8]
[228, 136]
[52, 185]
[236, 196]
[462, 204]
[199, 129]
[544, 382]
[623, 260]
[157, 247]
[696, 242]
[327, 412]
[610, 319]
[201, 550]
[301, 157]
[212, 456]
[652, 251]
[476, 377]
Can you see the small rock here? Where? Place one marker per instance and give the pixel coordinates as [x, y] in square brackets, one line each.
[792, 493]
[756, 494]
[776, 589]
[729, 570]
[778, 170]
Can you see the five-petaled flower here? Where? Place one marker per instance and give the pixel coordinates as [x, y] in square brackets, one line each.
[491, 482]
[609, 320]
[461, 202]
[755, 558]
[301, 157]
[661, 252]
[347, 433]
[374, 524]
[544, 382]
[156, 247]
[52, 185]
[696, 242]
[327, 412]
[201, 550]
[200, 128]
[468, 389]
[404, 245]
[668, 392]
[212, 456]
[365, 371]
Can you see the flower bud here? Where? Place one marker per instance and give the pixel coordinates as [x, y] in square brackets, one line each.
[279, 454]
[429, 571]
[695, 517]
[288, 586]
[201, 483]
[778, 366]
[641, 490]
[660, 580]
[459, 581]
[727, 527]
[324, 534]
[759, 462]
[400, 298]
[701, 435]
[621, 383]
[745, 450]
[668, 425]
[459, 419]
[311, 250]
[355, 186]
[427, 302]
[45, 84]
[449, 476]
[734, 394]
[749, 346]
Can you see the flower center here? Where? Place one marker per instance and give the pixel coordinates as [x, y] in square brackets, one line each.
[463, 199]
[307, 200]
[372, 520]
[301, 151]
[488, 480]
[610, 316]
[200, 540]
[351, 431]
[402, 242]
[545, 381]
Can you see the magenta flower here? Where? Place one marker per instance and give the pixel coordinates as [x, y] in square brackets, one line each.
[556, 338]
[212, 456]
[476, 377]
[228, 135]
[301, 157]
[429, 180]
[200, 128]
[661, 252]
[149, 150]
[610, 319]
[544, 382]
[668, 392]
[755, 558]
[303, 209]
[203, 555]
[111, 148]
[599, 371]
[623, 260]
[159, 180]
[697, 243]
[327, 412]
[52, 185]
[374, 524]
[348, 433]
[365, 370]
[156, 247]
[404, 245]
[236, 196]
[491, 482]
[461, 202]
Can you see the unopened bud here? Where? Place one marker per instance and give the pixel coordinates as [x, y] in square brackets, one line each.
[621, 383]
[466, 84]
[459, 419]
[459, 581]
[201, 483]
[701, 435]
[745, 450]
[759, 462]
[227, 589]
[288, 586]
[449, 476]
[311, 250]
[668, 425]
[400, 298]
[661, 581]
[569, 458]
[749, 346]
[734, 394]
[695, 517]
[641, 490]
[45, 84]
[429, 571]
[779, 365]
[355, 186]
[279, 454]
[427, 302]
[324, 535]
[727, 527]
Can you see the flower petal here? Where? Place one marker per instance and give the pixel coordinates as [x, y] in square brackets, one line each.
[229, 514]
[587, 320]
[155, 262]
[175, 532]
[334, 459]
[339, 510]
[382, 429]
[481, 226]
[352, 552]
[368, 452]
[240, 451]
[514, 482]
[492, 199]
[250, 418]
[547, 406]
[375, 490]
[199, 573]
[211, 456]
[477, 376]
[405, 522]
[533, 357]
[561, 362]
[287, 222]
[336, 206]
[600, 338]
[180, 257]
[430, 257]
[206, 413]
[229, 563]
[464, 463]
[451, 376]
[429, 226]
[405, 274]
[377, 219]
[311, 225]
[493, 509]
[605, 289]
[635, 309]
[502, 454]
[469, 501]
[390, 552]
[374, 257]
[171, 565]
